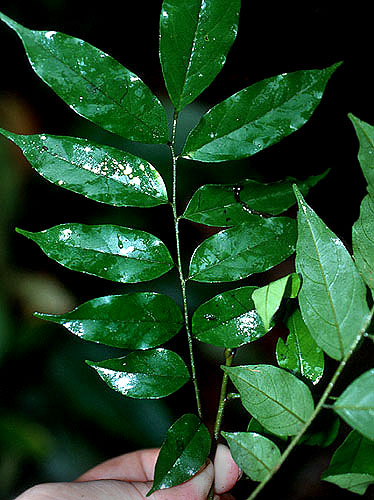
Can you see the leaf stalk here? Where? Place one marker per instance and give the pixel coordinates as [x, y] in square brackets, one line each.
[180, 268]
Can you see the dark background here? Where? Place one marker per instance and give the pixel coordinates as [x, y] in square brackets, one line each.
[56, 417]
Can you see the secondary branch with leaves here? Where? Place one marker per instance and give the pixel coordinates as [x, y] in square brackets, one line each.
[325, 304]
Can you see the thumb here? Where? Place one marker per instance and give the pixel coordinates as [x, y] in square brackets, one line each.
[197, 488]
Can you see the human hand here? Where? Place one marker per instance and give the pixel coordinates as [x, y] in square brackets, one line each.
[129, 477]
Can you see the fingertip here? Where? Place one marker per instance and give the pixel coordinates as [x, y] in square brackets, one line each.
[227, 472]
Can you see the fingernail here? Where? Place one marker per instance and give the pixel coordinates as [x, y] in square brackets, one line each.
[240, 474]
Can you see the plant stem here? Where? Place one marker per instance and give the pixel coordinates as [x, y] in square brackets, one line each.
[229, 356]
[180, 268]
[319, 406]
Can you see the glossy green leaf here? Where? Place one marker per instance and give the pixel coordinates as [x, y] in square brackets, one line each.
[183, 453]
[256, 455]
[195, 37]
[225, 205]
[112, 252]
[133, 321]
[257, 117]
[149, 374]
[94, 85]
[363, 241]
[101, 173]
[228, 319]
[333, 296]
[300, 353]
[240, 251]
[365, 135]
[268, 298]
[356, 404]
[277, 399]
[352, 466]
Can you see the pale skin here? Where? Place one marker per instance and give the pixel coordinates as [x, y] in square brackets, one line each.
[129, 477]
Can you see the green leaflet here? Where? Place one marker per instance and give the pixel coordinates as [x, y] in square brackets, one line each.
[277, 399]
[195, 37]
[256, 455]
[94, 85]
[183, 453]
[225, 205]
[365, 135]
[240, 251]
[112, 252]
[363, 229]
[352, 466]
[149, 374]
[268, 298]
[300, 353]
[356, 404]
[257, 117]
[101, 173]
[333, 296]
[228, 319]
[363, 241]
[134, 321]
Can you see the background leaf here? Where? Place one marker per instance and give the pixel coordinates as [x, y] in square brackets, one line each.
[240, 251]
[356, 404]
[352, 466]
[332, 297]
[183, 453]
[149, 374]
[365, 135]
[112, 252]
[256, 455]
[363, 241]
[195, 37]
[257, 117]
[101, 173]
[300, 353]
[225, 205]
[94, 85]
[268, 298]
[134, 321]
[277, 399]
[228, 319]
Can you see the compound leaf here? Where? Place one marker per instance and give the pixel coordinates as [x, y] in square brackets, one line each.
[228, 319]
[257, 117]
[268, 298]
[112, 252]
[256, 455]
[195, 37]
[101, 173]
[149, 374]
[352, 466]
[276, 398]
[356, 404]
[240, 251]
[333, 296]
[134, 321]
[225, 205]
[94, 85]
[183, 453]
[300, 353]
